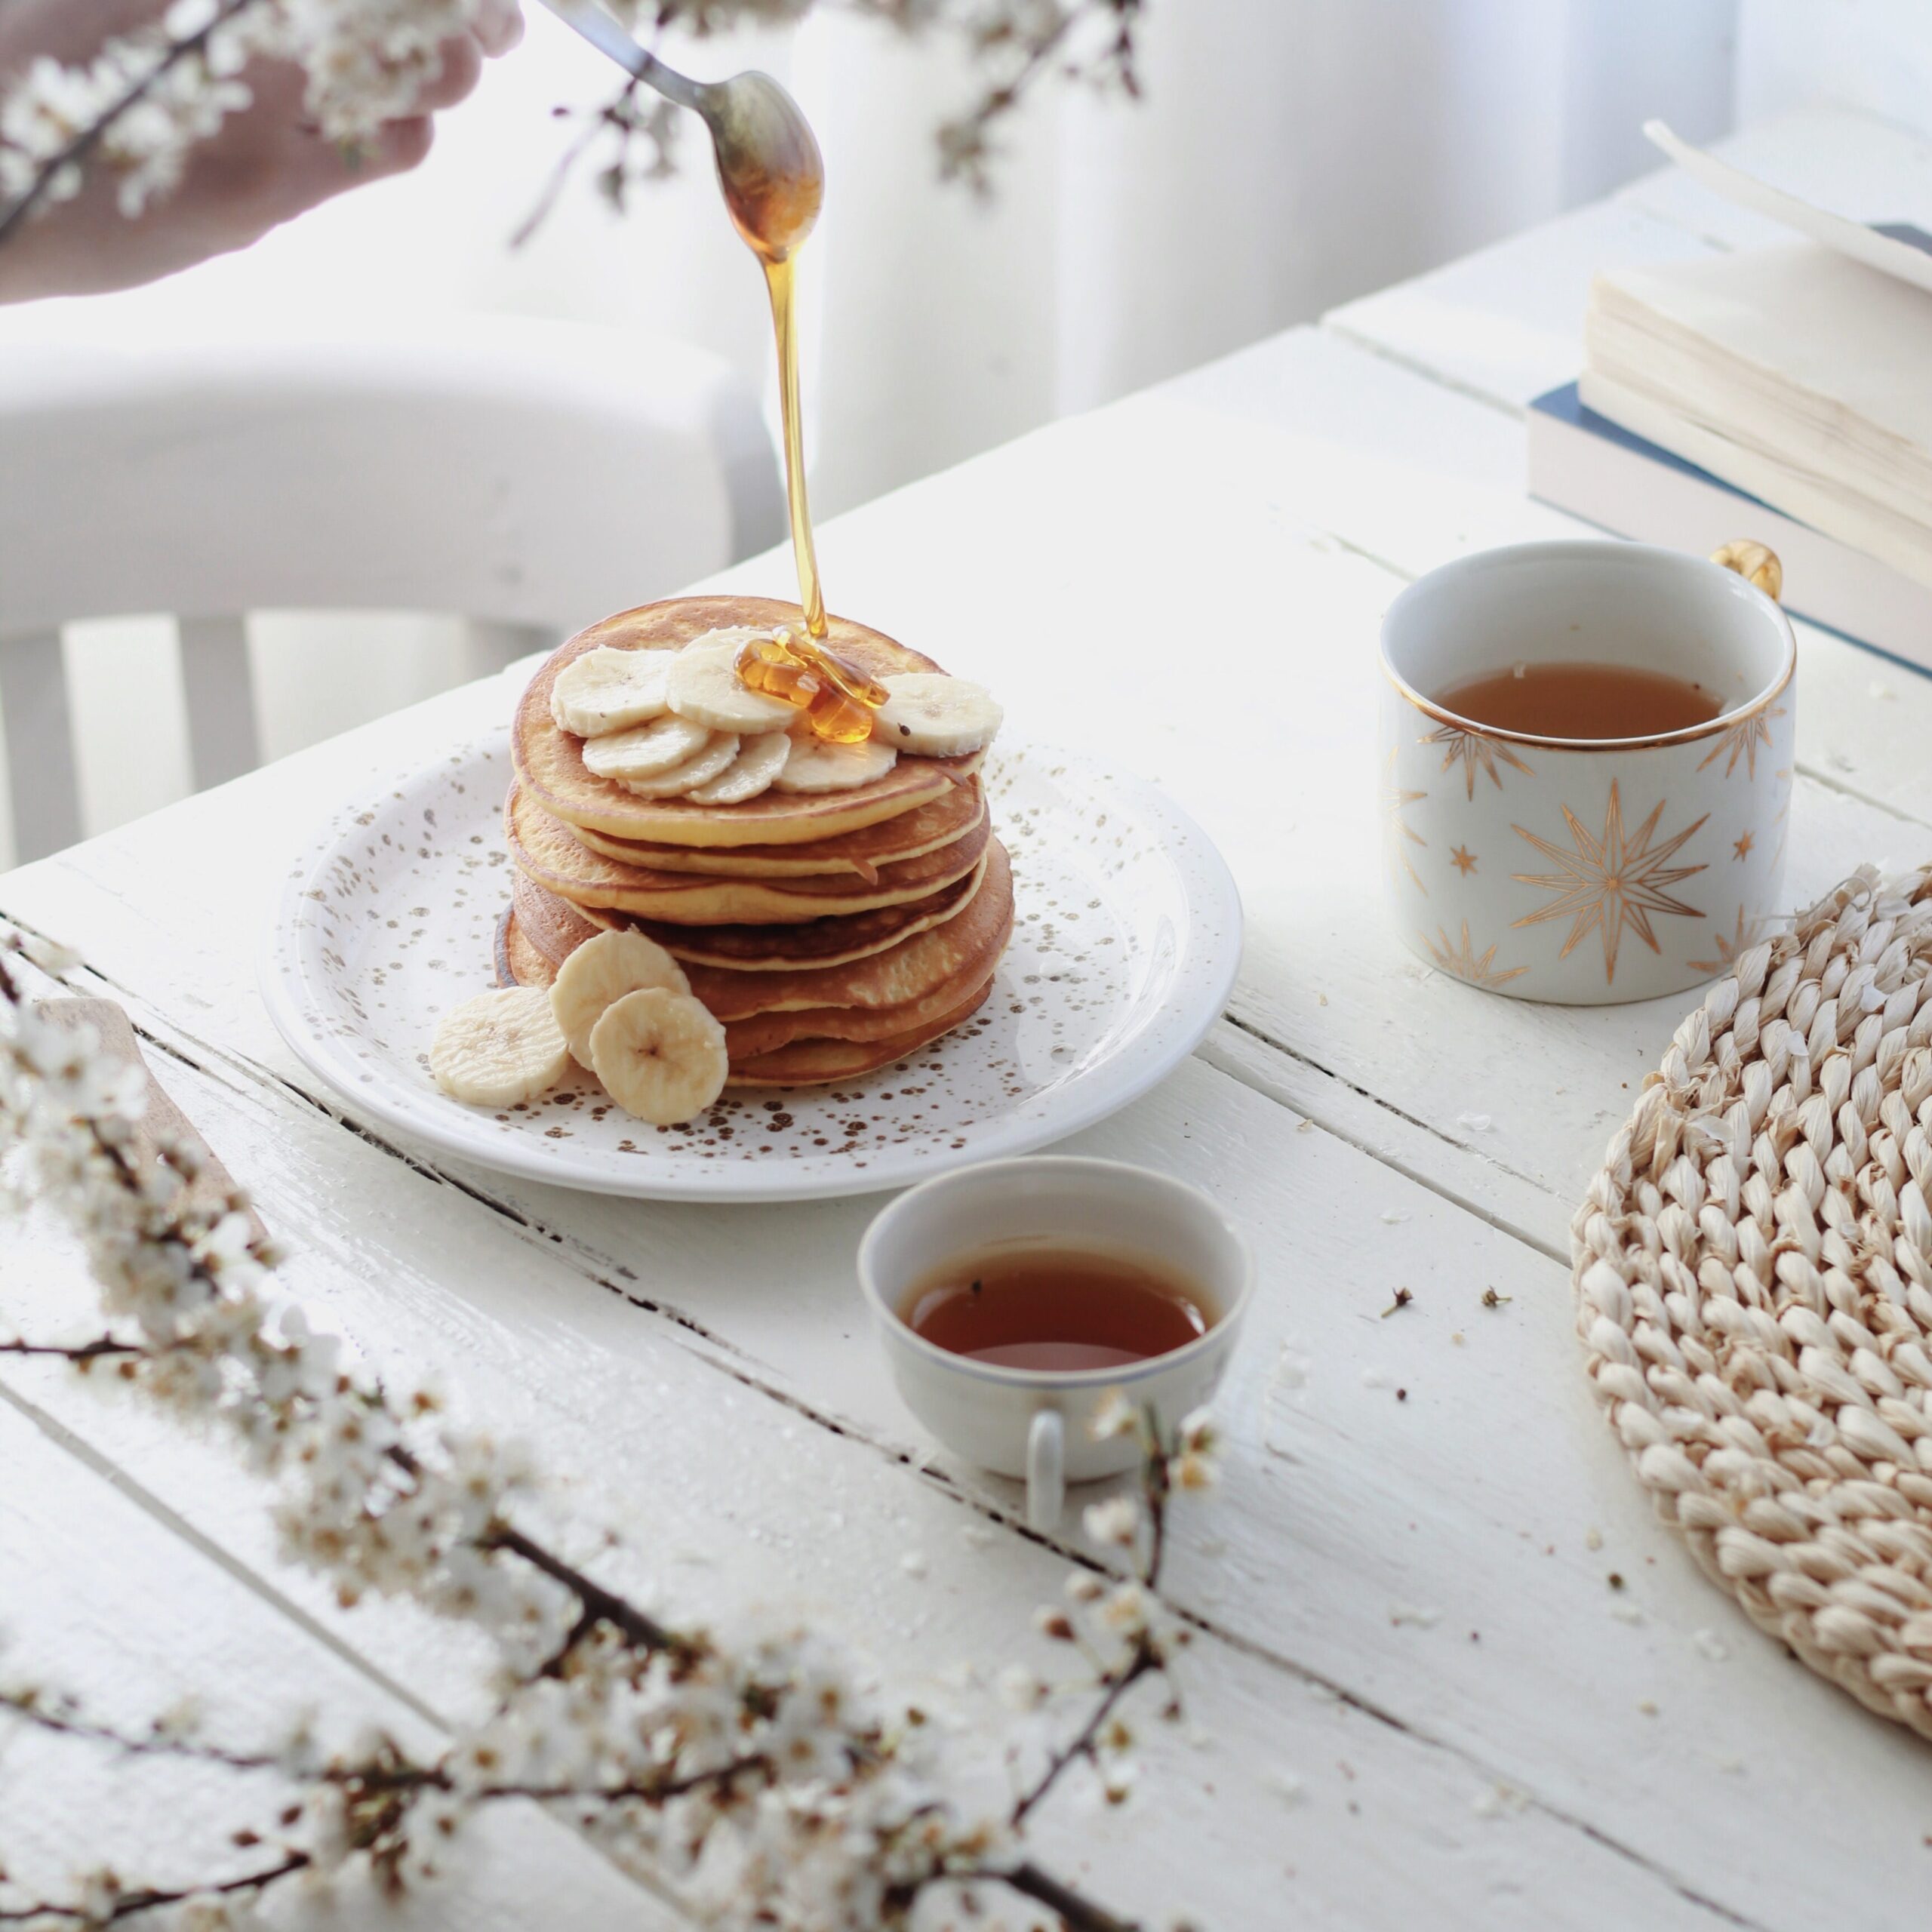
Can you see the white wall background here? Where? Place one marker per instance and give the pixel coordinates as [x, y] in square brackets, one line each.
[1288, 155]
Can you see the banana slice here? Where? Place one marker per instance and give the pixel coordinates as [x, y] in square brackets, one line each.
[599, 974]
[937, 716]
[720, 749]
[760, 760]
[704, 686]
[661, 1054]
[816, 765]
[606, 691]
[499, 1048]
[645, 751]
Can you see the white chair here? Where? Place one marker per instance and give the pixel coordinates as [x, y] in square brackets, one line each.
[527, 476]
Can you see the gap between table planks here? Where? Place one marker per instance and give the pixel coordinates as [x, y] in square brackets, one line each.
[1376, 497]
[1334, 1563]
[747, 1503]
[139, 1624]
[1303, 480]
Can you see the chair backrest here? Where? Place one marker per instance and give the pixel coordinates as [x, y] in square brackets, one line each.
[522, 474]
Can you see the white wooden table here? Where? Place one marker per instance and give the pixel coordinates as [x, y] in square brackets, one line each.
[1405, 1604]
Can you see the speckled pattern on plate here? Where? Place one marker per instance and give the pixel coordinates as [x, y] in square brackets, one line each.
[1128, 934]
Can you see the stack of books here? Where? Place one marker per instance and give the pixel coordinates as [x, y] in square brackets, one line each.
[1783, 394]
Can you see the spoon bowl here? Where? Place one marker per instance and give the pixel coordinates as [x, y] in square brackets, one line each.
[769, 165]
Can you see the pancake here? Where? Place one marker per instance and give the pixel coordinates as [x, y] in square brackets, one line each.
[518, 963]
[553, 926]
[910, 969]
[744, 1039]
[814, 942]
[800, 1063]
[856, 854]
[550, 763]
[818, 1062]
[546, 851]
[947, 960]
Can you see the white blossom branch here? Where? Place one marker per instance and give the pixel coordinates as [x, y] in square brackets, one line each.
[670, 1743]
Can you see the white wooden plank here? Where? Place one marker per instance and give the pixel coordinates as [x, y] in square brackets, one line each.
[1302, 482]
[725, 1498]
[219, 689]
[41, 784]
[101, 1602]
[1083, 536]
[600, 1330]
[1506, 323]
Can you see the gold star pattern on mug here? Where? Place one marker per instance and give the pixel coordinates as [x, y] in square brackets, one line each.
[1464, 859]
[1396, 798]
[1728, 949]
[1473, 750]
[1741, 847]
[1461, 961]
[1741, 740]
[1609, 883]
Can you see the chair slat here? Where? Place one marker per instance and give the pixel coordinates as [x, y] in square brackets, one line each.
[38, 729]
[218, 688]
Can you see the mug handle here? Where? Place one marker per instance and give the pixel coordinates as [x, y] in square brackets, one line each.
[1046, 1469]
[1756, 563]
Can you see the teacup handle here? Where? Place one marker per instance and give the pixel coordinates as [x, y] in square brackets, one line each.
[1756, 563]
[1046, 1469]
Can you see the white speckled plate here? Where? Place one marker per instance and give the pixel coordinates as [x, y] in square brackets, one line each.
[1125, 945]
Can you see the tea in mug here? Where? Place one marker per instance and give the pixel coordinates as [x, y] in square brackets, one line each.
[1055, 1307]
[1586, 701]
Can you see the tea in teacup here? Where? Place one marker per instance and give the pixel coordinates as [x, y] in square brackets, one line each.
[1057, 1306]
[1585, 700]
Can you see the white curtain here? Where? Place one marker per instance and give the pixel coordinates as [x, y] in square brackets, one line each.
[1287, 154]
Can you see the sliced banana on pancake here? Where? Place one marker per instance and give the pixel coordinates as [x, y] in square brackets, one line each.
[645, 750]
[660, 1055]
[704, 686]
[606, 690]
[936, 716]
[720, 749]
[816, 765]
[500, 1047]
[599, 973]
[760, 760]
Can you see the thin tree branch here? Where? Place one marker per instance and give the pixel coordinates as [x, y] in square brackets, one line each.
[1077, 1913]
[156, 1746]
[1142, 1662]
[82, 1353]
[126, 1906]
[641, 1628]
[76, 151]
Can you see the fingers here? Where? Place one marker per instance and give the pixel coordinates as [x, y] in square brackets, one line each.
[461, 68]
[498, 26]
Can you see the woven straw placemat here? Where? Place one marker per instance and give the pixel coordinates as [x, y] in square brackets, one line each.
[1754, 1276]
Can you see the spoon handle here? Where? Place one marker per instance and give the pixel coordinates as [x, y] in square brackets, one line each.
[606, 34]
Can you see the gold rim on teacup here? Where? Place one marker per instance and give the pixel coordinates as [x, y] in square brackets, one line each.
[1756, 563]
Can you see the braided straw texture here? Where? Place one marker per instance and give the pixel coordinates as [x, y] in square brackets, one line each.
[1753, 1268]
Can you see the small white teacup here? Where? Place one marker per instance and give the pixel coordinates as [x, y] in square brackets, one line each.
[1034, 1423]
[1587, 870]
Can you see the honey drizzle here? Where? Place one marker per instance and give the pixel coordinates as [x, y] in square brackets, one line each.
[781, 282]
[773, 210]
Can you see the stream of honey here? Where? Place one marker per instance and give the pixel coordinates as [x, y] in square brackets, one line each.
[781, 279]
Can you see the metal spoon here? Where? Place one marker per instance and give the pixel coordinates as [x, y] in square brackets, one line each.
[768, 162]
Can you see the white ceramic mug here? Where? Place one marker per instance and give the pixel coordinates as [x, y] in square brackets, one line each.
[1034, 1422]
[1587, 871]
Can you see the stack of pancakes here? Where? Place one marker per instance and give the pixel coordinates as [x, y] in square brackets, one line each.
[831, 932]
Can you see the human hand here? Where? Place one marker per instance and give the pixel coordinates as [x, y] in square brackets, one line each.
[265, 166]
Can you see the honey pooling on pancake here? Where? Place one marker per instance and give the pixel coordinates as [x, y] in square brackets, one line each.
[837, 697]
